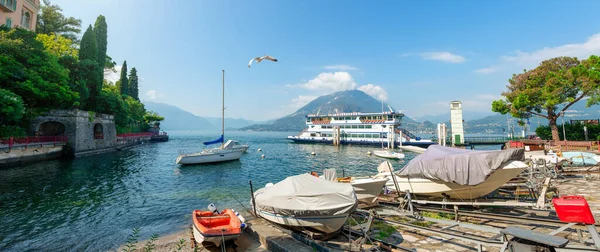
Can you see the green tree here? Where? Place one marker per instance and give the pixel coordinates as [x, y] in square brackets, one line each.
[11, 107]
[556, 82]
[58, 45]
[123, 81]
[89, 73]
[27, 70]
[51, 20]
[76, 79]
[89, 47]
[101, 29]
[133, 84]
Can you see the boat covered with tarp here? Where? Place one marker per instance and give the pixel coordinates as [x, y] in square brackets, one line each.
[307, 202]
[459, 166]
[456, 173]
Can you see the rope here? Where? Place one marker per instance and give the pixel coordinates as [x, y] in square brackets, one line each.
[223, 241]
[242, 205]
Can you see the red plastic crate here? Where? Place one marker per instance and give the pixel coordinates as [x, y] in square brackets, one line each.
[573, 209]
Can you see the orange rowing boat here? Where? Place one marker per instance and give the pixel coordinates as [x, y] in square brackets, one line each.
[214, 227]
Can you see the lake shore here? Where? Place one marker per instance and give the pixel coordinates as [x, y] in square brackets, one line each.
[173, 242]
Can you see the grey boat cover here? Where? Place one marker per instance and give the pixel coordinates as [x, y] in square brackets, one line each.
[307, 195]
[459, 166]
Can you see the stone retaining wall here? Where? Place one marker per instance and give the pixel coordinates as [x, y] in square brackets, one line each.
[79, 128]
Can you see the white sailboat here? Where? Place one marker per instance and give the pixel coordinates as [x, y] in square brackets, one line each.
[231, 150]
[385, 153]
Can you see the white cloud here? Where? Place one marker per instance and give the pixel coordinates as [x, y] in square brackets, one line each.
[341, 67]
[443, 56]
[376, 91]
[113, 76]
[302, 100]
[330, 82]
[532, 59]
[152, 94]
[481, 102]
[488, 70]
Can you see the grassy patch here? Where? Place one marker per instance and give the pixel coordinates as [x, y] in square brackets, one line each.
[446, 216]
[385, 230]
[422, 223]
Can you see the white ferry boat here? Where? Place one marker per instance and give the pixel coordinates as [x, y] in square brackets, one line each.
[359, 128]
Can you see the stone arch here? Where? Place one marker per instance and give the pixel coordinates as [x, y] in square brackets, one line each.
[50, 128]
[98, 131]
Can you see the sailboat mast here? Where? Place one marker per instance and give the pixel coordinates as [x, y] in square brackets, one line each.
[382, 124]
[223, 110]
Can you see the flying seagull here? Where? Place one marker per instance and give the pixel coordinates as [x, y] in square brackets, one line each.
[259, 59]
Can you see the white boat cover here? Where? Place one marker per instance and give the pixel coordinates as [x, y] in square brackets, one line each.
[306, 195]
[330, 174]
[459, 166]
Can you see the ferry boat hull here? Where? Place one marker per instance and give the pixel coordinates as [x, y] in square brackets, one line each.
[305, 140]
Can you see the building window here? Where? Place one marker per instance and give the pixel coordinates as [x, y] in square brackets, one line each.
[26, 20]
[8, 22]
[98, 131]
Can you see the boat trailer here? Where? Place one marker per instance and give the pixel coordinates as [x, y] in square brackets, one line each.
[573, 214]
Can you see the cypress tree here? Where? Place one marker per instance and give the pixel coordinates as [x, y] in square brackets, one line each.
[89, 73]
[100, 30]
[133, 84]
[88, 49]
[124, 80]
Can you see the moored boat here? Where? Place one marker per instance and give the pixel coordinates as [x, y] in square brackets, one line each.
[388, 154]
[214, 227]
[367, 189]
[232, 150]
[357, 128]
[444, 172]
[305, 201]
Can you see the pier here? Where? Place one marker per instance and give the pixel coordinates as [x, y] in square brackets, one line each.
[18, 150]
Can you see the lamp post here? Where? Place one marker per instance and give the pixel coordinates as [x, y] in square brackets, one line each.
[563, 124]
[585, 133]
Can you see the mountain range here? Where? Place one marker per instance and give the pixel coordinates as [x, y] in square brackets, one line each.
[179, 119]
[353, 101]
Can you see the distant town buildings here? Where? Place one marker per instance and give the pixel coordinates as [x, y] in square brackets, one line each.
[19, 13]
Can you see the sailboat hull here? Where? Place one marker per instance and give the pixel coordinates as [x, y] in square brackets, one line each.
[368, 189]
[210, 157]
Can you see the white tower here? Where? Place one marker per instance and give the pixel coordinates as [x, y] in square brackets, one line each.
[456, 123]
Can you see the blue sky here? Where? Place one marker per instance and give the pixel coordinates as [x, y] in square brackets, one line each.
[417, 55]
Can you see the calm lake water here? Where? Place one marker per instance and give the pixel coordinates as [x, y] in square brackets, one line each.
[93, 203]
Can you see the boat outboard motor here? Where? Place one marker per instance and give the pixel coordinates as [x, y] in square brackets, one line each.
[211, 207]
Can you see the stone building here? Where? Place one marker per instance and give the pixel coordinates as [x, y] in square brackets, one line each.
[88, 132]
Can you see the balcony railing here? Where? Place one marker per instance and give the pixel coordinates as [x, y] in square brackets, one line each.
[8, 5]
